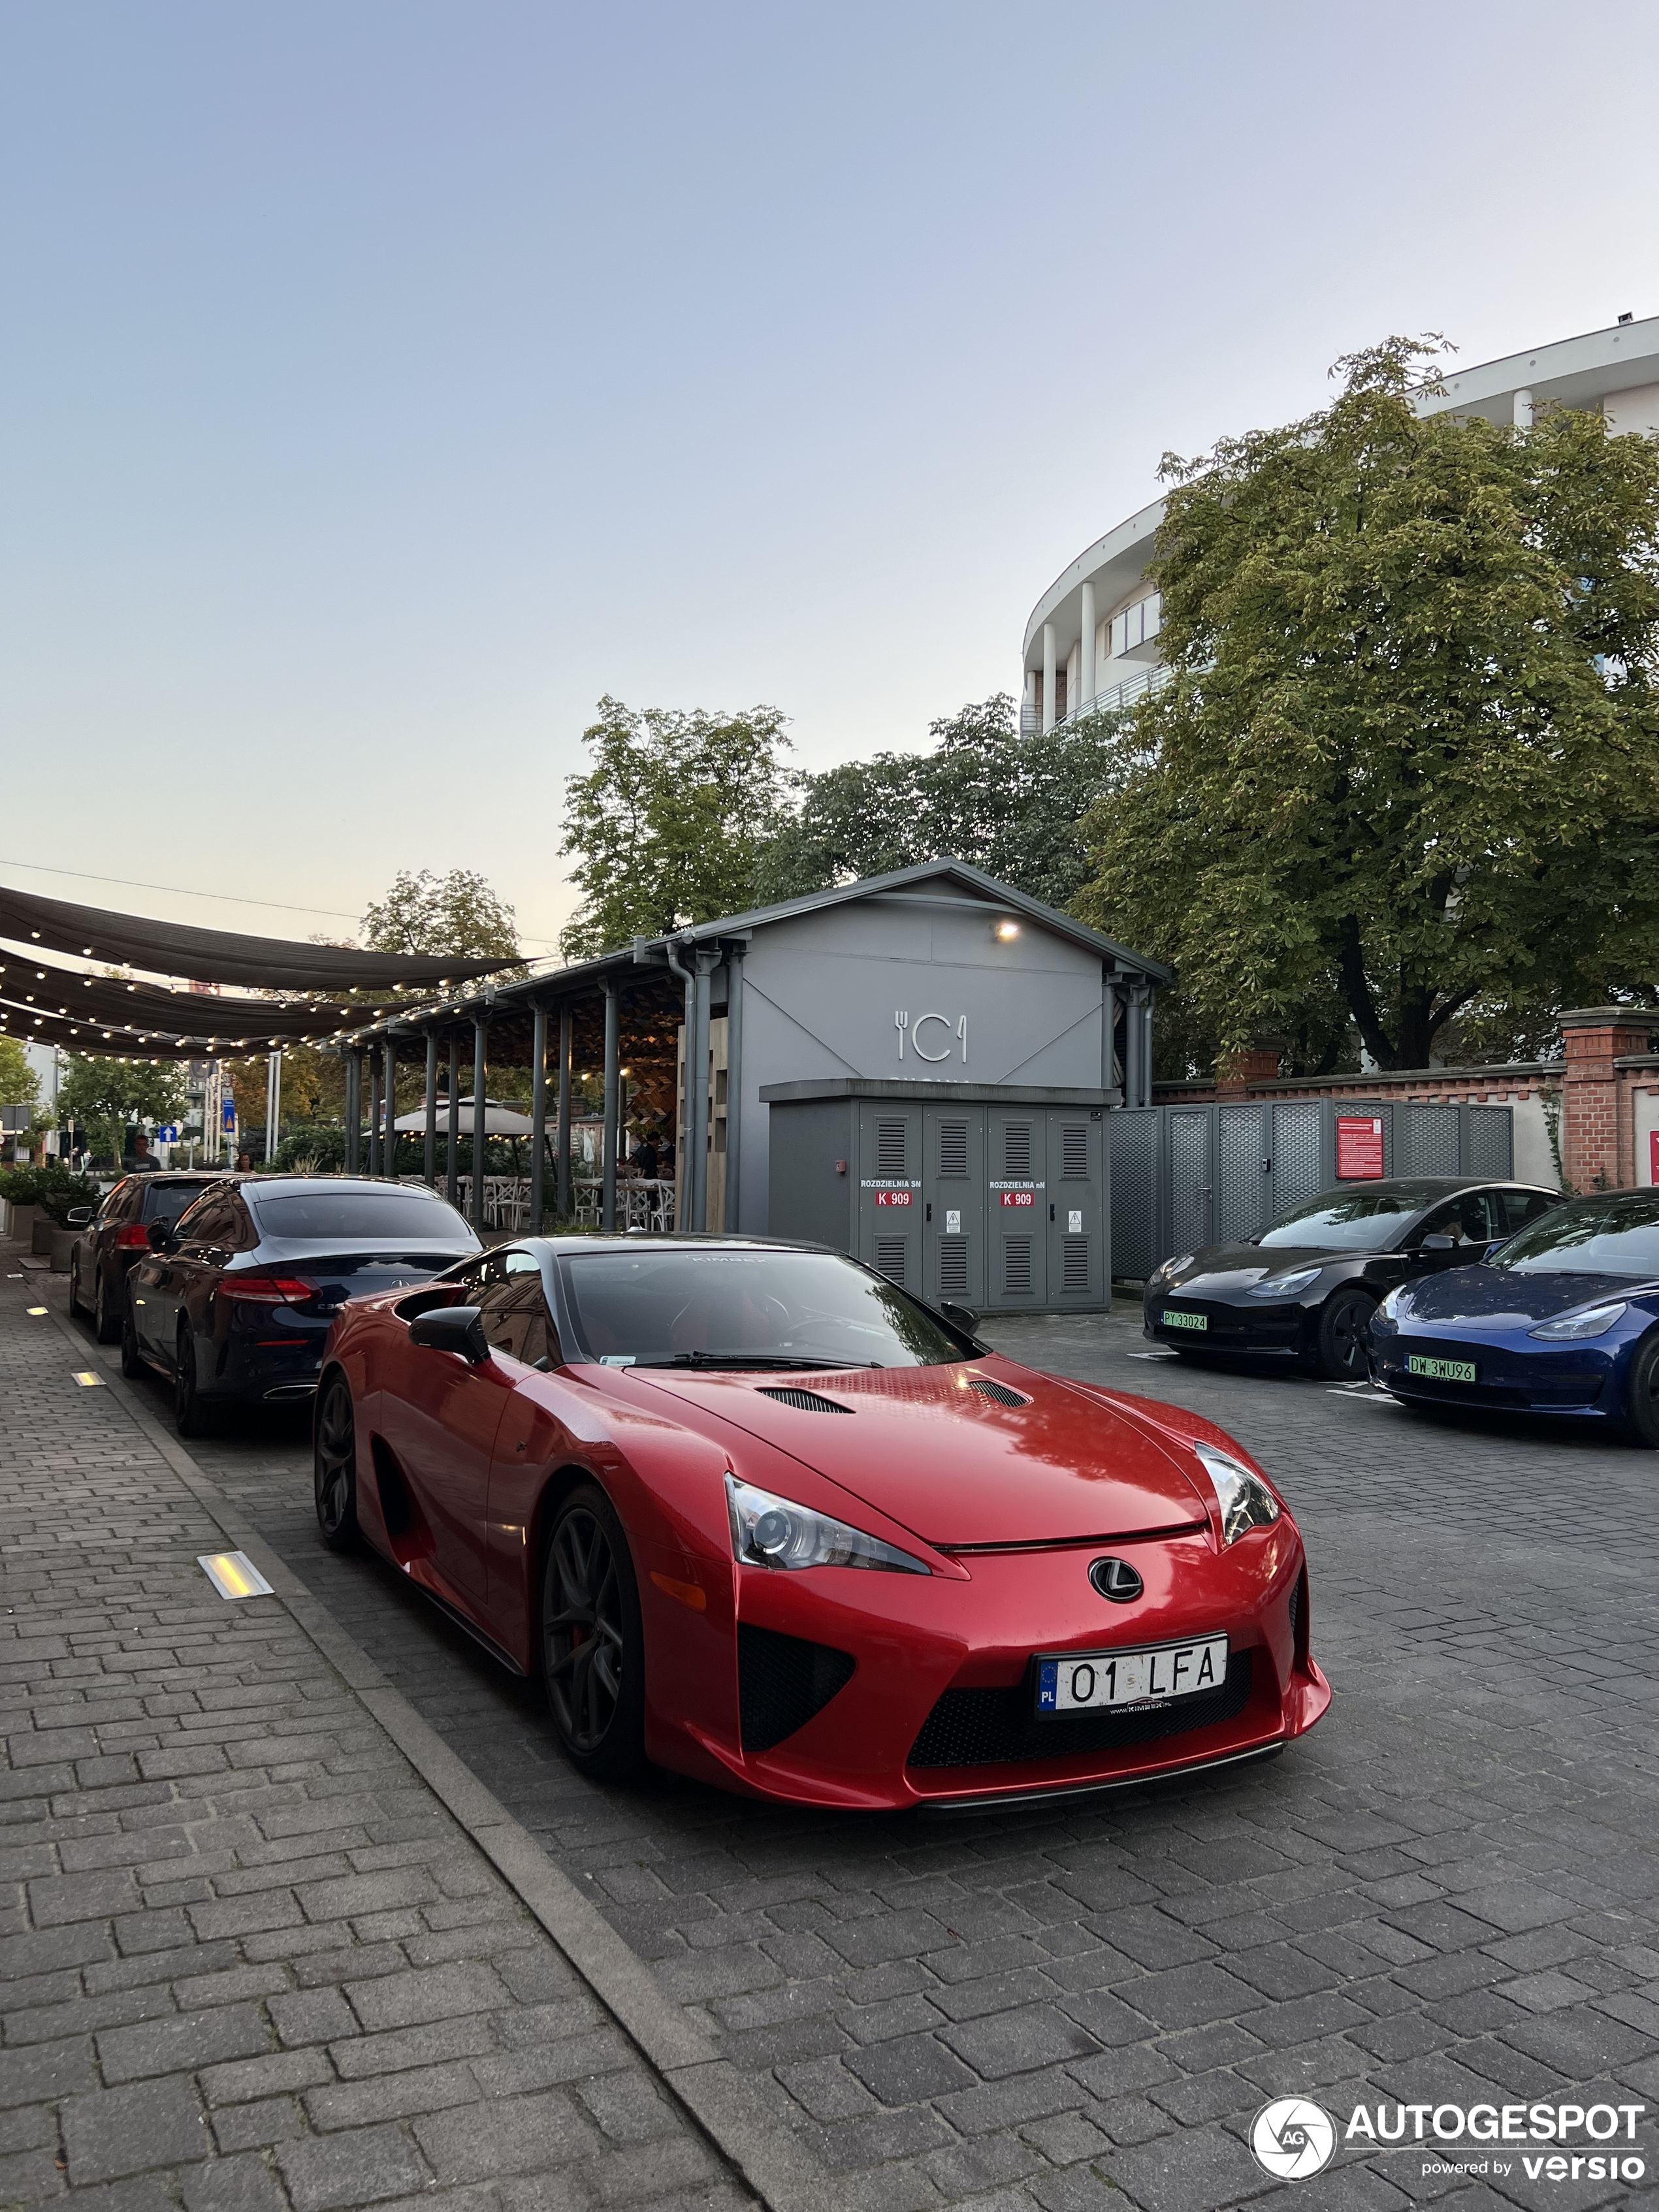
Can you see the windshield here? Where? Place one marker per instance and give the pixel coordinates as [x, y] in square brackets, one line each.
[1596, 1236]
[361, 1214]
[748, 1308]
[1350, 1220]
[167, 1201]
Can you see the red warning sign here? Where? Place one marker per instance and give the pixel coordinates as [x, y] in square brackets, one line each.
[1359, 1147]
[892, 1198]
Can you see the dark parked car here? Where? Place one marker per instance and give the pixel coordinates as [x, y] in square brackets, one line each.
[1305, 1290]
[116, 1236]
[235, 1303]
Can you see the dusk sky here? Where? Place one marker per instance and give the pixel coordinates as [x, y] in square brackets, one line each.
[381, 384]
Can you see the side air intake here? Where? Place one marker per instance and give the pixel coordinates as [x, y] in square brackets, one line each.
[782, 1681]
[999, 1391]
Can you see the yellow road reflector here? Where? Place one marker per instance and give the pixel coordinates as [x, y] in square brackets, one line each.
[233, 1574]
[88, 1380]
[35, 1309]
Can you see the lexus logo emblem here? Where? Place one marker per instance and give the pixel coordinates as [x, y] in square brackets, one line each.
[1116, 1579]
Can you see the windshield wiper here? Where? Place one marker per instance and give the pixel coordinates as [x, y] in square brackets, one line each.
[754, 1359]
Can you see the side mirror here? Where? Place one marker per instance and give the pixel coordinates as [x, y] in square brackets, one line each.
[160, 1237]
[453, 1329]
[959, 1317]
[1440, 1243]
[78, 1216]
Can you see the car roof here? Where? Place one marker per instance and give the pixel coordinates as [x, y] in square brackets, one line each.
[1427, 1188]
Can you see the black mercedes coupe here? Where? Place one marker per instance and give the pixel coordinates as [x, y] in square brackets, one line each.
[1304, 1290]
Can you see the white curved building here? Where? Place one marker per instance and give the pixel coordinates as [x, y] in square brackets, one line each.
[1092, 638]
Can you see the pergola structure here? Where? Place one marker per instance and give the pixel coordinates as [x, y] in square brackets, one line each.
[625, 1009]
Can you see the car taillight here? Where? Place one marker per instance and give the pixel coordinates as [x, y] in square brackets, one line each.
[133, 1233]
[266, 1290]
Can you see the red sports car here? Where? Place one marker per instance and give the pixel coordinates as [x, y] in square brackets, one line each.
[753, 1512]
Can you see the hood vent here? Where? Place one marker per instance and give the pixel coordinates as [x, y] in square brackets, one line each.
[999, 1391]
[804, 1402]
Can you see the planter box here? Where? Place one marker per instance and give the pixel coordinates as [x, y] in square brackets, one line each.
[19, 1221]
[41, 1233]
[62, 1243]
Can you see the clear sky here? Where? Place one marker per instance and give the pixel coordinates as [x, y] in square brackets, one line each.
[380, 384]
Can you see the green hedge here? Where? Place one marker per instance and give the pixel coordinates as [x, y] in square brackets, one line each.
[55, 1190]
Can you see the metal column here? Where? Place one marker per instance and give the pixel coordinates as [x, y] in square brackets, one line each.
[480, 1127]
[391, 1153]
[538, 1119]
[733, 1084]
[373, 1113]
[1108, 1037]
[430, 1159]
[612, 1022]
[354, 1110]
[564, 1139]
[453, 1164]
[273, 1102]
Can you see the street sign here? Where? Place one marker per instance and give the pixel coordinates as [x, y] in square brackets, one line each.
[169, 1135]
[228, 1116]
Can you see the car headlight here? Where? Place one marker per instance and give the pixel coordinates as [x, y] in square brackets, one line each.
[776, 1532]
[1284, 1286]
[1174, 1266]
[1397, 1303]
[1594, 1320]
[1245, 1500]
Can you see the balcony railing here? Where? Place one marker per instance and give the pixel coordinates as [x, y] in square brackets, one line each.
[1110, 700]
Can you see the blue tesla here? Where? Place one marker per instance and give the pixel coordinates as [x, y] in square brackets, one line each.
[1563, 1318]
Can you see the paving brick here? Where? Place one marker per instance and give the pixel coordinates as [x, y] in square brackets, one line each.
[118, 2131]
[364, 2166]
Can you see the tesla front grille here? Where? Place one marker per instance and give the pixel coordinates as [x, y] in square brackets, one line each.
[1001, 1728]
[782, 1681]
[803, 1401]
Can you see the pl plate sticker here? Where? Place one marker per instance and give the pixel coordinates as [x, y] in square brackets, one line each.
[1293, 2139]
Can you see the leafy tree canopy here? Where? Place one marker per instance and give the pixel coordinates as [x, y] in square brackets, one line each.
[1405, 768]
[1013, 805]
[105, 1095]
[18, 1083]
[459, 913]
[667, 826]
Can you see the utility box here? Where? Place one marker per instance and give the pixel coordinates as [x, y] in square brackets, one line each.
[993, 1195]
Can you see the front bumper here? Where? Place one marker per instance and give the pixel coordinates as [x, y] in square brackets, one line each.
[1514, 1371]
[939, 1705]
[1258, 1327]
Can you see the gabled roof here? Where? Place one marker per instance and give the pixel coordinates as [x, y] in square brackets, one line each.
[563, 982]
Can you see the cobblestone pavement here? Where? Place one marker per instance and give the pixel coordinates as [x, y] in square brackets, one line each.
[247, 1960]
[1448, 1893]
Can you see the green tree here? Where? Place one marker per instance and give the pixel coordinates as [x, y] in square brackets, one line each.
[18, 1083]
[667, 826]
[104, 1096]
[1405, 767]
[1011, 805]
[459, 913]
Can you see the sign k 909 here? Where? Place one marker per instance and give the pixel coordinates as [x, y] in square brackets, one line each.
[892, 1198]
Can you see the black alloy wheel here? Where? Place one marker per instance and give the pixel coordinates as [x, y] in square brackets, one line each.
[106, 1326]
[191, 1415]
[1344, 1321]
[132, 1361]
[1642, 1418]
[592, 1639]
[334, 1466]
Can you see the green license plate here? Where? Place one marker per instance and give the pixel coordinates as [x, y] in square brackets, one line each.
[1172, 1317]
[1440, 1371]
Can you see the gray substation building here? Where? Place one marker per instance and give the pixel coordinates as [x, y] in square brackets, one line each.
[916, 1069]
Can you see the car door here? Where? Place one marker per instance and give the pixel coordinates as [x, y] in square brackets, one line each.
[96, 1257]
[160, 1282]
[439, 1414]
[1472, 1223]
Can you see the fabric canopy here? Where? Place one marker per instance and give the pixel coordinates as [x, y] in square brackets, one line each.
[219, 956]
[134, 1011]
[499, 1121]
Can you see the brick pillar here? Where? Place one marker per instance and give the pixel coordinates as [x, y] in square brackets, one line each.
[1257, 1063]
[1591, 1097]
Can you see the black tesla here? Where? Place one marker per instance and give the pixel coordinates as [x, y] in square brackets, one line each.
[233, 1302]
[1305, 1290]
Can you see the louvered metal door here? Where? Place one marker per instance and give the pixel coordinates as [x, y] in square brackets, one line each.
[890, 1190]
[1016, 1204]
[953, 1204]
[1079, 1262]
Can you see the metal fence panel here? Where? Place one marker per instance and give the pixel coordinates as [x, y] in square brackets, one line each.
[1490, 1147]
[1297, 1165]
[1432, 1146]
[1132, 1134]
[1191, 1187]
[1240, 1157]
